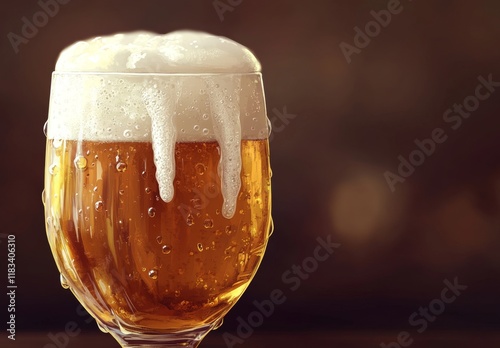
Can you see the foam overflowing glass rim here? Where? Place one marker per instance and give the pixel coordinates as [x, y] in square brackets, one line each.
[163, 108]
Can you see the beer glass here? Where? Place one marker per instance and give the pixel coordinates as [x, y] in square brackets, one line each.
[157, 198]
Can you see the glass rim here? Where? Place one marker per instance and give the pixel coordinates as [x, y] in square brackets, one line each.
[146, 74]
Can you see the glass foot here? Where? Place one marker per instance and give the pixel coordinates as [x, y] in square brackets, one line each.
[185, 339]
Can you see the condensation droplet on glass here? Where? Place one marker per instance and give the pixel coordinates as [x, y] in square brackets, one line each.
[196, 127]
[159, 239]
[199, 246]
[45, 126]
[148, 190]
[180, 271]
[121, 192]
[53, 169]
[43, 197]
[121, 167]
[205, 131]
[208, 223]
[98, 206]
[166, 249]
[205, 116]
[101, 327]
[151, 212]
[80, 162]
[64, 282]
[219, 322]
[144, 174]
[127, 133]
[271, 228]
[228, 230]
[153, 274]
[177, 293]
[200, 168]
[190, 220]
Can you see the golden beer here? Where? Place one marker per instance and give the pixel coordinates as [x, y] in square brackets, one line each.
[139, 261]
[157, 181]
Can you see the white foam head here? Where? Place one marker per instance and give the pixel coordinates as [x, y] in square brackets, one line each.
[141, 86]
[146, 52]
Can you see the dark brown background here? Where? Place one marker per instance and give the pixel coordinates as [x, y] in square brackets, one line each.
[352, 122]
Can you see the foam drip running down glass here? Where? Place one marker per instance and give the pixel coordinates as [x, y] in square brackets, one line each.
[157, 193]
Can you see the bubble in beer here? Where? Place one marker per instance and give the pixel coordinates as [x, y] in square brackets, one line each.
[151, 212]
[80, 162]
[153, 274]
[98, 206]
[121, 166]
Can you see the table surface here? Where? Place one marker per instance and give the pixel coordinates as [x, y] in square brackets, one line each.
[307, 339]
